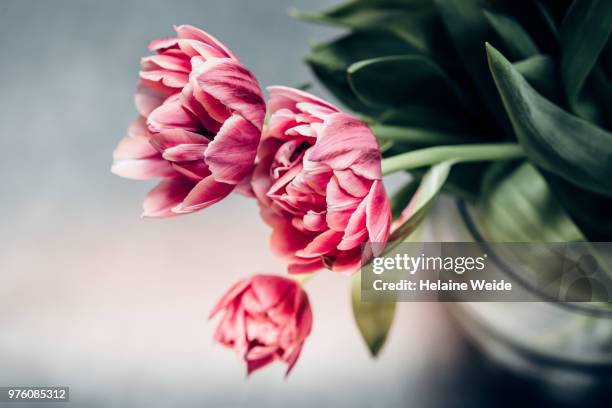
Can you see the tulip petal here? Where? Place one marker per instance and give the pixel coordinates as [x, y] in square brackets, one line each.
[148, 98]
[287, 98]
[230, 295]
[347, 143]
[231, 155]
[166, 62]
[190, 32]
[285, 239]
[162, 44]
[190, 102]
[185, 152]
[323, 243]
[142, 169]
[172, 115]
[194, 170]
[352, 184]
[175, 137]
[270, 290]
[171, 79]
[234, 86]
[315, 221]
[134, 147]
[167, 194]
[378, 215]
[355, 233]
[205, 193]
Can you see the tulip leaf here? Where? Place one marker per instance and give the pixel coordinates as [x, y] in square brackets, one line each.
[583, 35]
[330, 62]
[590, 211]
[514, 37]
[405, 79]
[374, 319]
[469, 30]
[416, 22]
[429, 188]
[553, 139]
[517, 205]
[541, 73]
[549, 20]
[400, 199]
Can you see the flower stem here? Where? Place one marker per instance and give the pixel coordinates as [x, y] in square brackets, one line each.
[460, 153]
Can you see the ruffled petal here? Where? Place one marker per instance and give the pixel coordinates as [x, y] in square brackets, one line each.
[378, 215]
[347, 143]
[271, 289]
[204, 194]
[230, 295]
[324, 243]
[172, 115]
[233, 85]
[283, 97]
[231, 155]
[142, 169]
[167, 194]
[147, 98]
[176, 137]
[190, 32]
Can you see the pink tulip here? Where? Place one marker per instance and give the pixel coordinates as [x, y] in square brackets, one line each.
[319, 184]
[265, 318]
[204, 114]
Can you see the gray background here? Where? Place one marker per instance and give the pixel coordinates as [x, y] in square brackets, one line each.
[93, 297]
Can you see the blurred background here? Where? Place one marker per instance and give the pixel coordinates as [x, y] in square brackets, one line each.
[115, 307]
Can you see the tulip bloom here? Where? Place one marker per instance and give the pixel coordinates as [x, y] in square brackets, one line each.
[204, 114]
[265, 318]
[319, 184]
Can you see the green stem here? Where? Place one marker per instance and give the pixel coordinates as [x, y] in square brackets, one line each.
[460, 153]
[418, 136]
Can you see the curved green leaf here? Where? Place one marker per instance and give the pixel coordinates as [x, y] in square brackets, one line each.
[374, 319]
[541, 73]
[516, 40]
[584, 33]
[415, 22]
[469, 30]
[516, 205]
[405, 79]
[330, 62]
[425, 195]
[553, 139]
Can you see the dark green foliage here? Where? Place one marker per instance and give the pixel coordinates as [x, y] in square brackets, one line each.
[545, 82]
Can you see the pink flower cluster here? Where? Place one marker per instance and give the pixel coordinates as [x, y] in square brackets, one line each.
[314, 170]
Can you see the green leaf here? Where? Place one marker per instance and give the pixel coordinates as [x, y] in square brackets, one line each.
[469, 30]
[415, 22]
[584, 33]
[400, 199]
[590, 211]
[514, 37]
[549, 20]
[553, 139]
[374, 319]
[516, 205]
[394, 81]
[428, 190]
[541, 73]
[330, 62]
[465, 180]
